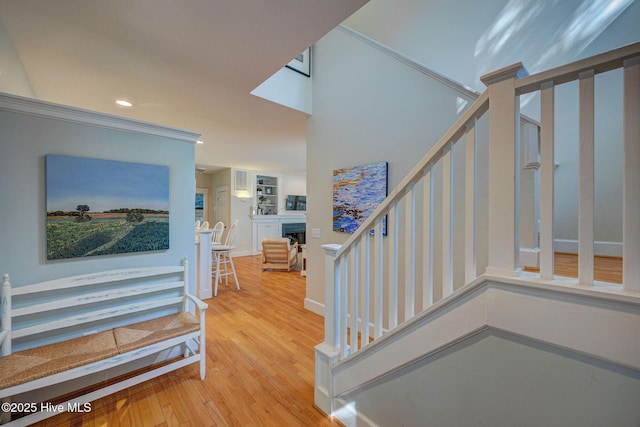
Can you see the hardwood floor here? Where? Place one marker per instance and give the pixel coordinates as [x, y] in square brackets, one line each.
[606, 269]
[260, 365]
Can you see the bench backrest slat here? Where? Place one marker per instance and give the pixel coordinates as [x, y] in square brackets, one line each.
[95, 297]
[109, 313]
[95, 278]
[70, 307]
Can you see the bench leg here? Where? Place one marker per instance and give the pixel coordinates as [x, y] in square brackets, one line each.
[5, 417]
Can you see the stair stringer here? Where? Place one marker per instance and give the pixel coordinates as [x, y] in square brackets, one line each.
[603, 323]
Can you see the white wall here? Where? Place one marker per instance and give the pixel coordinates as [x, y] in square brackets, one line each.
[25, 139]
[288, 88]
[501, 380]
[367, 108]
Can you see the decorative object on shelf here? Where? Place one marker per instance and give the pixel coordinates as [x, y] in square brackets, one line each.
[259, 191]
[104, 207]
[357, 191]
[302, 63]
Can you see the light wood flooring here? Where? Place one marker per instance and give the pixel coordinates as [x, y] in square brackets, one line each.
[260, 365]
[606, 269]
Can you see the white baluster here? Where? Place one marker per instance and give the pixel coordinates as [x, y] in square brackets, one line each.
[427, 239]
[377, 280]
[470, 202]
[447, 221]
[410, 254]
[586, 186]
[547, 185]
[366, 294]
[344, 306]
[392, 302]
[355, 296]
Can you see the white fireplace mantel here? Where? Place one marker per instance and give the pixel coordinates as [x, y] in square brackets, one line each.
[263, 226]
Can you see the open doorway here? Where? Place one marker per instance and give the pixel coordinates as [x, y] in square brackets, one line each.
[201, 204]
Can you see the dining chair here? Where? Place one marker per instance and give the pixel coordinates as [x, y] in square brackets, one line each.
[204, 225]
[224, 261]
[216, 237]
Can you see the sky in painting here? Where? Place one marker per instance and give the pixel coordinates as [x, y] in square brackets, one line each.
[104, 184]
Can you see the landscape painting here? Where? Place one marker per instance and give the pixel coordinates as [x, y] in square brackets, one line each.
[357, 192]
[105, 207]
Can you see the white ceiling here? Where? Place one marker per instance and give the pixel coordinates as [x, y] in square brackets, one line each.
[189, 64]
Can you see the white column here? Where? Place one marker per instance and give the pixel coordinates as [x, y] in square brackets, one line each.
[204, 264]
[631, 180]
[504, 174]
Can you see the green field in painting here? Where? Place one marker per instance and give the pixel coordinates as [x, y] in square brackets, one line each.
[70, 239]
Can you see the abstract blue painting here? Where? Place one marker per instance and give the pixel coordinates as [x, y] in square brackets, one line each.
[357, 192]
[105, 207]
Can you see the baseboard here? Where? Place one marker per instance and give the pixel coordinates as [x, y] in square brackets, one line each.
[348, 415]
[314, 306]
[599, 248]
[530, 257]
[241, 253]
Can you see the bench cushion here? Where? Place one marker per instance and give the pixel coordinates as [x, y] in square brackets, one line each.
[138, 335]
[29, 365]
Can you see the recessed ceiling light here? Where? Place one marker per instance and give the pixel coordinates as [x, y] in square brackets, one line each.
[123, 103]
[200, 141]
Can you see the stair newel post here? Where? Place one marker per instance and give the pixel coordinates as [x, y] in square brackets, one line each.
[504, 173]
[327, 354]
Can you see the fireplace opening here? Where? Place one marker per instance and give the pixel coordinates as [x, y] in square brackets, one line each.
[296, 232]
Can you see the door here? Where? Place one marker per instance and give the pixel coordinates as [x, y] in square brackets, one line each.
[221, 207]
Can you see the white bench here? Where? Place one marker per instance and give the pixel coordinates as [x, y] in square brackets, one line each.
[69, 329]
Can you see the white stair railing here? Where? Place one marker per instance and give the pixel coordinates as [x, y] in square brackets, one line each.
[374, 283]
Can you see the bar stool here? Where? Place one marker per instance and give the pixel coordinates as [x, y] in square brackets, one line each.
[223, 260]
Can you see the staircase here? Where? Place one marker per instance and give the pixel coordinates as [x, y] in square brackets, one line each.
[410, 298]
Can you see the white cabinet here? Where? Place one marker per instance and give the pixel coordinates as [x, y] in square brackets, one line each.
[264, 229]
[263, 226]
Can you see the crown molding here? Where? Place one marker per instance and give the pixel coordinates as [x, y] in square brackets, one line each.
[66, 113]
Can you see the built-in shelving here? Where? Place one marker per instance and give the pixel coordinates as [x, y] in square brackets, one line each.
[266, 195]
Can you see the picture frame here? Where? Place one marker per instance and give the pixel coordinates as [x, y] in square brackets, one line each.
[104, 207]
[357, 192]
[302, 63]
